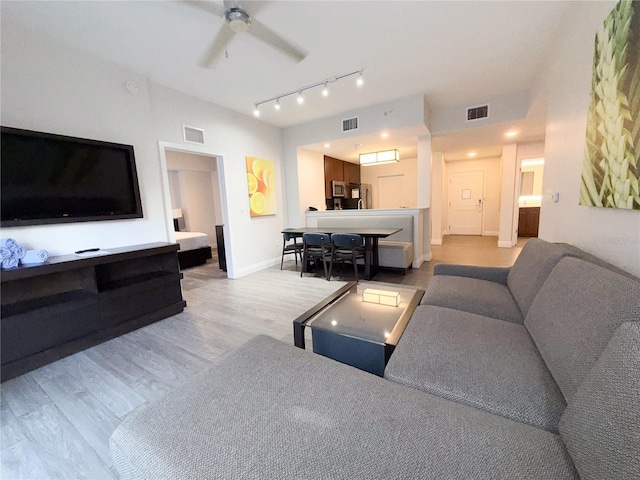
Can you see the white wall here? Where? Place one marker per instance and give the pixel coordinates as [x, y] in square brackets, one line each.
[492, 185]
[51, 88]
[408, 168]
[611, 234]
[310, 181]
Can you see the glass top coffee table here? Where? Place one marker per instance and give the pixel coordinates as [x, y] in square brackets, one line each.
[350, 330]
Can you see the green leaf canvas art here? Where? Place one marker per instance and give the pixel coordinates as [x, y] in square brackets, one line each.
[611, 167]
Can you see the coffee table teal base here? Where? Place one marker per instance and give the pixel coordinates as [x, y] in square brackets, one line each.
[358, 333]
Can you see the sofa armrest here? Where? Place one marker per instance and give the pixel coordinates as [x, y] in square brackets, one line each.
[491, 274]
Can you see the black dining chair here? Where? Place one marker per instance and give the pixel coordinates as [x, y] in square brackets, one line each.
[316, 246]
[346, 247]
[288, 248]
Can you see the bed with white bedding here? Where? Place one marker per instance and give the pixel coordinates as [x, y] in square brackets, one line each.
[194, 248]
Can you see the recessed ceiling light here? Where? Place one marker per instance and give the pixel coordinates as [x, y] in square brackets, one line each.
[511, 133]
[472, 154]
[327, 145]
[384, 135]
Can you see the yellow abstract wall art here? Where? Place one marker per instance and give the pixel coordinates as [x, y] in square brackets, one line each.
[261, 182]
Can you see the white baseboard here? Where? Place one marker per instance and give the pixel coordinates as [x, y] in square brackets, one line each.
[505, 244]
[241, 272]
[491, 233]
[427, 257]
[436, 241]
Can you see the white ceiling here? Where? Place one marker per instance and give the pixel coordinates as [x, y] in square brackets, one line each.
[454, 52]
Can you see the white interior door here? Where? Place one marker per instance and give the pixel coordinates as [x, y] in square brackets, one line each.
[465, 203]
[390, 194]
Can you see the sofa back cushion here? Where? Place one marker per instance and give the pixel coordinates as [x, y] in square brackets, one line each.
[575, 314]
[531, 269]
[405, 222]
[601, 425]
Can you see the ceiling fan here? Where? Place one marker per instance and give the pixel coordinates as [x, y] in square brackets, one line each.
[237, 17]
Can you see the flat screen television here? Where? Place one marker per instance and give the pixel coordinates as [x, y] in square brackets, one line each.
[47, 178]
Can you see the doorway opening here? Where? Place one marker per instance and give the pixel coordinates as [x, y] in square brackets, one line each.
[530, 198]
[195, 204]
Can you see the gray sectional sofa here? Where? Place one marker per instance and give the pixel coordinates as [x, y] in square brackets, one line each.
[551, 394]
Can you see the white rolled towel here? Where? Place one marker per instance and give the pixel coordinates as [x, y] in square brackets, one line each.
[10, 262]
[35, 256]
[18, 252]
[4, 253]
[9, 243]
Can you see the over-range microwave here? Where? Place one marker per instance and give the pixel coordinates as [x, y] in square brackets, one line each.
[339, 189]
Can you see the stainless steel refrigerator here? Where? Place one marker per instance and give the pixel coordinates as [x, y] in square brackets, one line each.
[357, 192]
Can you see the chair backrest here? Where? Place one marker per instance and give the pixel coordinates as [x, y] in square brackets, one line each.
[316, 239]
[346, 240]
[290, 236]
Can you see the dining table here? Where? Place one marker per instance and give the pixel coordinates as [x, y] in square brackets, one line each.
[369, 235]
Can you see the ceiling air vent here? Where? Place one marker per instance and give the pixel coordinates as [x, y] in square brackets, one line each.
[349, 124]
[476, 113]
[193, 135]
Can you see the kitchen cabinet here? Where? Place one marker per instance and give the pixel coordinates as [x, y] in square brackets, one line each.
[341, 171]
[333, 171]
[351, 175]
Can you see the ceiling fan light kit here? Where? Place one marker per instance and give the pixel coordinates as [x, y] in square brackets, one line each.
[300, 91]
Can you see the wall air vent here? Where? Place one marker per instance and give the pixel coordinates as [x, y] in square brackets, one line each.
[193, 135]
[349, 124]
[477, 113]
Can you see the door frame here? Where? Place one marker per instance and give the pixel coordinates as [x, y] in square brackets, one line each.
[166, 193]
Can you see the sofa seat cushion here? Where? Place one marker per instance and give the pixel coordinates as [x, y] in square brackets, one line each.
[479, 361]
[473, 295]
[272, 411]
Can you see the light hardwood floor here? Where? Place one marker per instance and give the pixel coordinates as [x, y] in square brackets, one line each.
[56, 421]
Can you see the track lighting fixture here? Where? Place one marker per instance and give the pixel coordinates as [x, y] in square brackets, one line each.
[300, 91]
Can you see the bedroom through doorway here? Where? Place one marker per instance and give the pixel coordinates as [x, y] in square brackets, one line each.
[196, 202]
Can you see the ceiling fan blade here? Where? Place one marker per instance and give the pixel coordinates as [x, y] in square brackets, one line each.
[216, 48]
[211, 7]
[259, 31]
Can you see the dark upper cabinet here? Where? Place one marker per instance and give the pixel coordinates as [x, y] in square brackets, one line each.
[341, 171]
[351, 175]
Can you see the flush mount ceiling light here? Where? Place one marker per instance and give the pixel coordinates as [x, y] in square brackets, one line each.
[379, 158]
[472, 154]
[299, 91]
[511, 133]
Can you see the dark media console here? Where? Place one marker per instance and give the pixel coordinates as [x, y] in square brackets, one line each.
[71, 303]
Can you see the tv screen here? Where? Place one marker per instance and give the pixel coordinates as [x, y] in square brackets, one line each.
[50, 178]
